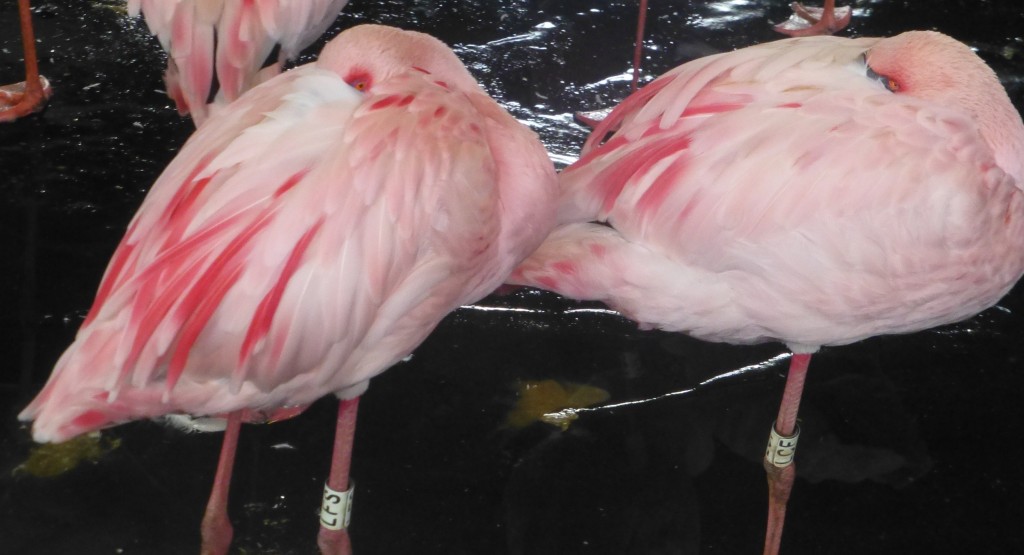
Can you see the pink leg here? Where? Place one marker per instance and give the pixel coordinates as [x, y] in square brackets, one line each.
[778, 461]
[333, 538]
[815, 21]
[24, 98]
[639, 49]
[216, 527]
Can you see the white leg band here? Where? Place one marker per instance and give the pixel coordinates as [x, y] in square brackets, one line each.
[781, 449]
[336, 511]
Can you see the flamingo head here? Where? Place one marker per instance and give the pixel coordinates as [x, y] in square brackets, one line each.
[368, 54]
[940, 69]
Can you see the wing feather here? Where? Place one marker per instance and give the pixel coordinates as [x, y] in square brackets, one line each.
[276, 261]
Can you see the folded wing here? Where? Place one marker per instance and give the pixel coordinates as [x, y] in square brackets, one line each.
[308, 240]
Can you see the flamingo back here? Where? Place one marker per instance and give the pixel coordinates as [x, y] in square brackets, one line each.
[781, 193]
[305, 240]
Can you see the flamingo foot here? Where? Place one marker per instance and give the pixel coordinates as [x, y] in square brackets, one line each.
[815, 21]
[593, 117]
[21, 99]
[780, 484]
[333, 538]
[216, 527]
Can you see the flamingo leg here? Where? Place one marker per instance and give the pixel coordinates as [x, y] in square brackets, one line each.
[815, 21]
[216, 527]
[778, 459]
[30, 96]
[639, 48]
[333, 538]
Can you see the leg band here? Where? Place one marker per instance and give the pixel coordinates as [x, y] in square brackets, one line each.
[336, 511]
[781, 449]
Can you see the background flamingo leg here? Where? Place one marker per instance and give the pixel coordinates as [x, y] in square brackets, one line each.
[333, 538]
[778, 459]
[216, 527]
[815, 21]
[30, 96]
[638, 50]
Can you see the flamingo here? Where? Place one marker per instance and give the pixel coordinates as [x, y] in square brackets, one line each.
[814, 191]
[218, 47]
[306, 238]
[30, 95]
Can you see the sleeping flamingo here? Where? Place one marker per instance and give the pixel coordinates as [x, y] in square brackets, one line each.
[218, 47]
[30, 95]
[306, 238]
[814, 191]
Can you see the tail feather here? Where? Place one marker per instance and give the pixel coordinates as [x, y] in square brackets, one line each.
[77, 399]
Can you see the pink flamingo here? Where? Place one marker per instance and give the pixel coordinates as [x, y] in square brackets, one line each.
[307, 238]
[30, 95]
[814, 191]
[229, 39]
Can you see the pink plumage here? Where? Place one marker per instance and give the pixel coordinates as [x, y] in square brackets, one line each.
[778, 193]
[306, 242]
[229, 40]
[814, 191]
[306, 238]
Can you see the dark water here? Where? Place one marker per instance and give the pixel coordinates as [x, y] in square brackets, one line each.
[911, 444]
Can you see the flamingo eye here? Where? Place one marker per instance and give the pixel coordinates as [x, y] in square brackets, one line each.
[888, 82]
[359, 80]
